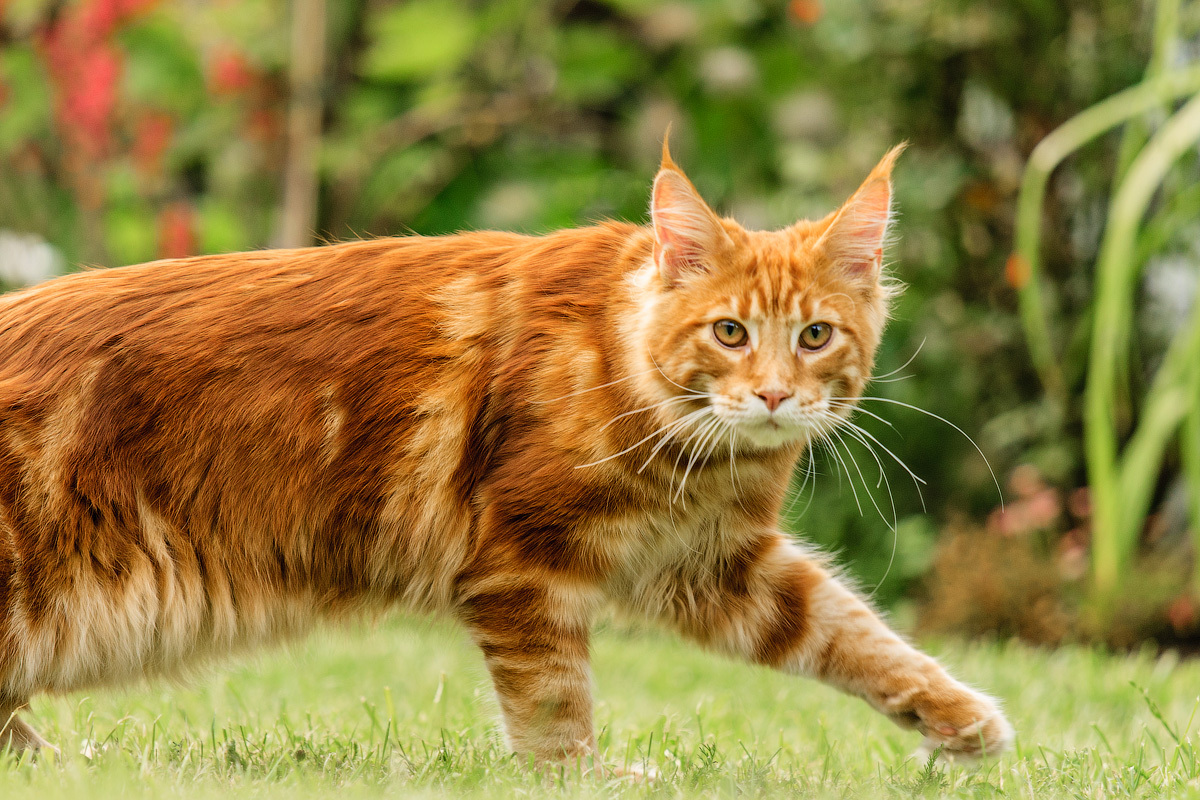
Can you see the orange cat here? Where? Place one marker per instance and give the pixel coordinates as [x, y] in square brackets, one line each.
[204, 454]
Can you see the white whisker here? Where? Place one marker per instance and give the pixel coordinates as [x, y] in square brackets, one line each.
[918, 481]
[892, 499]
[673, 383]
[911, 358]
[734, 480]
[708, 432]
[595, 388]
[978, 449]
[669, 427]
[661, 443]
[683, 449]
[866, 489]
[854, 489]
[836, 404]
[660, 404]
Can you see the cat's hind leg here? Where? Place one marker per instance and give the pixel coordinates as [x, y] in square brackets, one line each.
[16, 735]
[536, 649]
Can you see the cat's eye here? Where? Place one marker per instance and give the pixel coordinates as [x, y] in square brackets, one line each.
[816, 336]
[730, 333]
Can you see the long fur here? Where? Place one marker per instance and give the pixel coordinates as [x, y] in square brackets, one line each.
[205, 454]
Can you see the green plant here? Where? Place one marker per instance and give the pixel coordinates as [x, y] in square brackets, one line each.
[1122, 478]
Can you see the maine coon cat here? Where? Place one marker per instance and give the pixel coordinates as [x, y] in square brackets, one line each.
[205, 454]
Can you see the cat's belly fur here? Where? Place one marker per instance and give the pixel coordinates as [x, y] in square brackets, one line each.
[99, 589]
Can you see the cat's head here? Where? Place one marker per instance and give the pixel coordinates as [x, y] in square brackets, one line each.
[777, 330]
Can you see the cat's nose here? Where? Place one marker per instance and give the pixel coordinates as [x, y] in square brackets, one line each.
[773, 398]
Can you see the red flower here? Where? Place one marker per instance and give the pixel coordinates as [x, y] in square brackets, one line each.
[85, 69]
[153, 134]
[806, 12]
[1016, 271]
[177, 231]
[231, 74]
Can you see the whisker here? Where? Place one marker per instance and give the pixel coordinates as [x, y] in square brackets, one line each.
[837, 404]
[595, 388]
[979, 450]
[708, 431]
[714, 443]
[855, 432]
[674, 399]
[661, 443]
[891, 561]
[887, 482]
[849, 479]
[866, 490]
[917, 480]
[810, 473]
[711, 442]
[892, 499]
[911, 358]
[660, 372]
[643, 440]
[684, 446]
[734, 480]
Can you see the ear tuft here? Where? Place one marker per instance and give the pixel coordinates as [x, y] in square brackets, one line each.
[856, 236]
[686, 230]
[667, 161]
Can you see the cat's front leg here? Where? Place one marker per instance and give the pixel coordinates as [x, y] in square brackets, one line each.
[770, 602]
[850, 647]
[534, 638]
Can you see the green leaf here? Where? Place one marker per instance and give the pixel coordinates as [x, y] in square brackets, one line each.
[130, 234]
[222, 228]
[25, 108]
[418, 40]
[595, 64]
[161, 68]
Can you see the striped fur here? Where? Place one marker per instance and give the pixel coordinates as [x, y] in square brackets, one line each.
[202, 455]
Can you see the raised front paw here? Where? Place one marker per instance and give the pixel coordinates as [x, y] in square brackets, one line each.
[965, 724]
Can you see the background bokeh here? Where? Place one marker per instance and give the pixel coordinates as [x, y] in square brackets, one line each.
[137, 129]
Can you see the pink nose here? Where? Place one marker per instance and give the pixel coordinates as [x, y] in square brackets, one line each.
[773, 399]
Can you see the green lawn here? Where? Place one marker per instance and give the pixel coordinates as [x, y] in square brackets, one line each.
[403, 709]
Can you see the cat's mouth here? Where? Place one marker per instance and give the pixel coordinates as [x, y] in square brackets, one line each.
[773, 432]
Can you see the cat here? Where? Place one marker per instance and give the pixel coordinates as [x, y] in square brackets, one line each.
[204, 454]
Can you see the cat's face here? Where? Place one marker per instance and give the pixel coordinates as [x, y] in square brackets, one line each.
[772, 335]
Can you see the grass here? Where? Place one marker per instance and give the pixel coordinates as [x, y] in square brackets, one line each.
[402, 709]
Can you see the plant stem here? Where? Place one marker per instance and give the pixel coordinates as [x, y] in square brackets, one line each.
[1050, 152]
[1168, 403]
[1190, 446]
[1113, 536]
[1166, 37]
[299, 219]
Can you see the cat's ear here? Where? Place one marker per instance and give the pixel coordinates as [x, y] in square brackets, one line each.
[855, 238]
[686, 231]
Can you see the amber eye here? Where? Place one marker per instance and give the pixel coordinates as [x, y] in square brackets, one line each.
[816, 336]
[730, 333]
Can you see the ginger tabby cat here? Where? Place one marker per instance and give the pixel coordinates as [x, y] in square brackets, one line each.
[205, 454]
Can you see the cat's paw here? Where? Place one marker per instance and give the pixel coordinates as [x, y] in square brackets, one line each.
[958, 723]
[634, 773]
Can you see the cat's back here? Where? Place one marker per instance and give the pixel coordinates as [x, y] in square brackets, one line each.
[316, 302]
[282, 373]
[227, 444]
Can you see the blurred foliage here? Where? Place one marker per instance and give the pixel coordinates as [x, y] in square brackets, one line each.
[1130, 422]
[163, 133]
